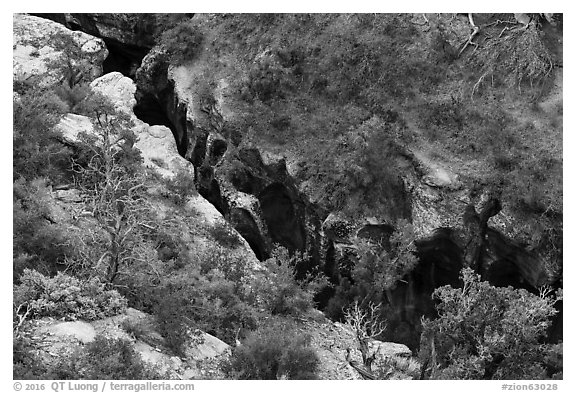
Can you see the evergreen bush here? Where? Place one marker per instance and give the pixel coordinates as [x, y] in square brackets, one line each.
[64, 296]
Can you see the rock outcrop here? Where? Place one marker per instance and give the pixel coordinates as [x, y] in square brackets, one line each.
[156, 144]
[46, 53]
[56, 339]
[128, 36]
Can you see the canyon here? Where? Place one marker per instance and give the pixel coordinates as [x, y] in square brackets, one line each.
[259, 193]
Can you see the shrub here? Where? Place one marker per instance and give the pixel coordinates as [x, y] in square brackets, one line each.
[37, 151]
[182, 42]
[215, 301]
[444, 118]
[394, 365]
[358, 173]
[106, 358]
[73, 96]
[268, 79]
[167, 245]
[64, 296]
[280, 292]
[224, 235]
[172, 324]
[38, 243]
[27, 364]
[276, 351]
[163, 22]
[232, 267]
[376, 268]
[137, 329]
[181, 187]
[484, 332]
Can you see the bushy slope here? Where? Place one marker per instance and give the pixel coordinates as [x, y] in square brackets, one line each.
[345, 97]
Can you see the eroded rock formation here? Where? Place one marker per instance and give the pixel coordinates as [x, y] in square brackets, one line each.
[258, 196]
[128, 36]
[46, 53]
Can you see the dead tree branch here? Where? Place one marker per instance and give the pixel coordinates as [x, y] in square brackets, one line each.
[21, 317]
[475, 30]
[366, 325]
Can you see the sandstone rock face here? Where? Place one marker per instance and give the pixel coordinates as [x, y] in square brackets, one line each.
[119, 89]
[49, 53]
[391, 360]
[156, 143]
[386, 349]
[82, 331]
[150, 344]
[207, 347]
[72, 125]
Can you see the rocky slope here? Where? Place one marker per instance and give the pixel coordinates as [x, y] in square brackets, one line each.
[54, 339]
[255, 186]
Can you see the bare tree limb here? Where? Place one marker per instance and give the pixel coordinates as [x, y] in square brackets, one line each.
[366, 325]
[21, 317]
[475, 30]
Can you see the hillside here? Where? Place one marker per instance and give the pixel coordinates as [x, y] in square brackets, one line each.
[280, 176]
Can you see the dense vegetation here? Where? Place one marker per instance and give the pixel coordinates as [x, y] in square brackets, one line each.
[340, 89]
[485, 332]
[122, 253]
[351, 96]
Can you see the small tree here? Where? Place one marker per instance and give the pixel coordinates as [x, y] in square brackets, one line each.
[366, 325]
[111, 181]
[182, 42]
[71, 61]
[484, 332]
[280, 292]
[379, 269]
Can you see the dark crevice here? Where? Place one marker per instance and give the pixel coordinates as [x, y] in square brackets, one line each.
[123, 58]
[150, 111]
[281, 217]
[243, 222]
[155, 109]
[217, 151]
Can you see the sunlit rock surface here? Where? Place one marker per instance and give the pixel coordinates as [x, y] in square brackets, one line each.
[48, 53]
